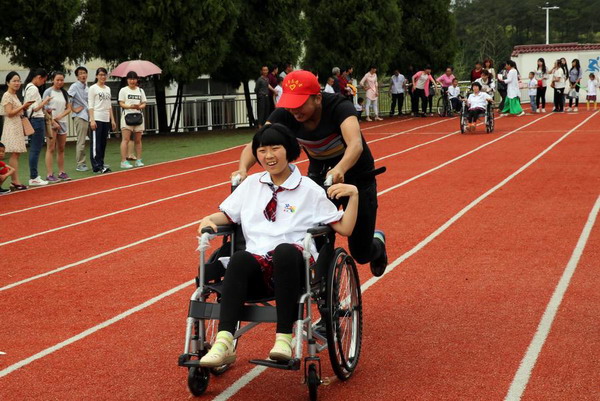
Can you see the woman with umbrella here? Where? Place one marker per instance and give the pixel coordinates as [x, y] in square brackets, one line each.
[132, 99]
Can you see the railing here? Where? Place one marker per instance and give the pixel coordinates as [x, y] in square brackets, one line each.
[229, 111]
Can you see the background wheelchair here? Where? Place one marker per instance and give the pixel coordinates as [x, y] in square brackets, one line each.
[488, 116]
[331, 294]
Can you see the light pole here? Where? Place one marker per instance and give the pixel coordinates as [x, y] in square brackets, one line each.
[547, 7]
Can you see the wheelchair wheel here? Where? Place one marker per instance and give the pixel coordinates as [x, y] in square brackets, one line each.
[344, 315]
[441, 107]
[198, 379]
[313, 382]
[489, 121]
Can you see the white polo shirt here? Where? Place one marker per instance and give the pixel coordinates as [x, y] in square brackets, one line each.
[478, 101]
[302, 205]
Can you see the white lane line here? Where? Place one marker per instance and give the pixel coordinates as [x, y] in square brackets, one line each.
[242, 381]
[523, 374]
[154, 202]
[59, 269]
[98, 256]
[388, 123]
[389, 135]
[248, 377]
[92, 330]
[117, 188]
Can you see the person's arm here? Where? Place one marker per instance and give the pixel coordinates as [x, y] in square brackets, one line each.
[11, 111]
[8, 173]
[346, 225]
[354, 148]
[113, 124]
[362, 81]
[247, 160]
[65, 113]
[213, 220]
[91, 107]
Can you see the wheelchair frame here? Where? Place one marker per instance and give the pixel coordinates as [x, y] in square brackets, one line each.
[488, 116]
[321, 288]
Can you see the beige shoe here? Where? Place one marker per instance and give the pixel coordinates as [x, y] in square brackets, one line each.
[282, 350]
[378, 118]
[221, 352]
[369, 119]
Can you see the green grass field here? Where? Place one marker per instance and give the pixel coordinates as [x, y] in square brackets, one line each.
[156, 149]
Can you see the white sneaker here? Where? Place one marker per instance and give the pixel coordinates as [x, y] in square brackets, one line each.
[522, 114]
[538, 111]
[576, 109]
[37, 182]
[378, 118]
[369, 119]
[568, 109]
[126, 165]
[543, 110]
[282, 350]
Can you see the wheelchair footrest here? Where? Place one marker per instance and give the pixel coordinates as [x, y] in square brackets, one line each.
[187, 361]
[293, 364]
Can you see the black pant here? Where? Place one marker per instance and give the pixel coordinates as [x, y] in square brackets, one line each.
[455, 104]
[474, 114]
[420, 94]
[576, 98]
[262, 108]
[244, 281]
[98, 139]
[559, 99]
[540, 97]
[397, 98]
[503, 94]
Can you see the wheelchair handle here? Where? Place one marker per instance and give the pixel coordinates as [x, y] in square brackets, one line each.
[236, 180]
[220, 230]
[319, 230]
[328, 182]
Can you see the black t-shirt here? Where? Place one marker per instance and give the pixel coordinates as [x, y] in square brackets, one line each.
[325, 145]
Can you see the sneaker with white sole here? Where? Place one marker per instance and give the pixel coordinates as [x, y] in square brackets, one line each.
[52, 179]
[521, 114]
[82, 167]
[576, 109]
[221, 353]
[543, 110]
[568, 109]
[282, 350]
[368, 119]
[64, 176]
[126, 165]
[37, 182]
[105, 170]
[139, 163]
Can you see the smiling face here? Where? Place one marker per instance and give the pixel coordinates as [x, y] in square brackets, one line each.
[132, 82]
[273, 158]
[101, 77]
[308, 109]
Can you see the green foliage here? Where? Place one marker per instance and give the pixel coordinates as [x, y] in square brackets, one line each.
[353, 32]
[186, 39]
[429, 34]
[489, 28]
[36, 34]
[267, 32]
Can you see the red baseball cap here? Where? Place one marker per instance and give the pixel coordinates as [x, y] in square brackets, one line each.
[298, 86]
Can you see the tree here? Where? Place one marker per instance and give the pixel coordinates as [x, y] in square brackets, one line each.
[429, 35]
[352, 33]
[186, 39]
[268, 32]
[36, 35]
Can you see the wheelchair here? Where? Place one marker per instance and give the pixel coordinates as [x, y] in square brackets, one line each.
[489, 117]
[331, 291]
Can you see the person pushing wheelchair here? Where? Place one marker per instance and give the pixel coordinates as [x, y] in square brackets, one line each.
[326, 127]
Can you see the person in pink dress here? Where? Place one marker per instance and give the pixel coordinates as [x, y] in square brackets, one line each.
[371, 86]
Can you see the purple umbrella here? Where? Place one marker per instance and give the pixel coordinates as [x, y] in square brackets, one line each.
[142, 67]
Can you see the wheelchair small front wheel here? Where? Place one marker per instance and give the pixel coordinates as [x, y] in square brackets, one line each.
[198, 378]
[313, 381]
[344, 315]
[441, 107]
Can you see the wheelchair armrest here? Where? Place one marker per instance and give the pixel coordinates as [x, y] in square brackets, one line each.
[319, 230]
[221, 230]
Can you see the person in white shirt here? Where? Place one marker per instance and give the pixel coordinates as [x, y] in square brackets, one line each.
[559, 78]
[329, 86]
[132, 100]
[454, 95]
[592, 88]
[532, 86]
[278, 90]
[512, 104]
[487, 82]
[59, 107]
[477, 103]
[275, 209]
[102, 120]
[34, 81]
[397, 86]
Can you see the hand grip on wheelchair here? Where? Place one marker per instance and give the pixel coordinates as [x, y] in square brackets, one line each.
[319, 230]
[220, 230]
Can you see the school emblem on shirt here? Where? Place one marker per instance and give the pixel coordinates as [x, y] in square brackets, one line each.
[289, 208]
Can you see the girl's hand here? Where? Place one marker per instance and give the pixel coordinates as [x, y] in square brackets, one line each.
[46, 100]
[206, 222]
[113, 125]
[93, 125]
[337, 191]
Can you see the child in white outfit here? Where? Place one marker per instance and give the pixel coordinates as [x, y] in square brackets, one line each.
[592, 87]
[532, 85]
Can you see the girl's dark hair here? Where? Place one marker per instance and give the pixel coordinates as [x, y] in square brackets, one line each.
[98, 71]
[273, 67]
[372, 67]
[427, 67]
[476, 84]
[11, 75]
[34, 73]
[563, 67]
[543, 64]
[55, 73]
[577, 65]
[1, 145]
[488, 60]
[276, 134]
[132, 75]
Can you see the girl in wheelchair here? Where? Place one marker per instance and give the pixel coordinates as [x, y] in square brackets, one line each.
[275, 209]
[477, 104]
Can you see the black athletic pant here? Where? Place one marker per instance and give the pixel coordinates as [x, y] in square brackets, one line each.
[559, 99]
[540, 97]
[420, 94]
[98, 139]
[397, 98]
[503, 95]
[244, 281]
[576, 98]
[474, 114]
